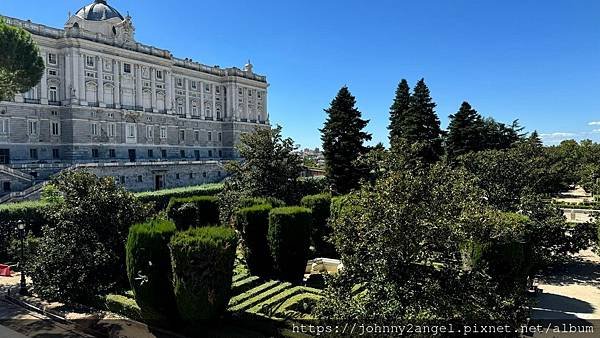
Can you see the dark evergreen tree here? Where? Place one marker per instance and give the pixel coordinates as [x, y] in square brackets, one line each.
[421, 124]
[398, 111]
[343, 139]
[499, 136]
[465, 132]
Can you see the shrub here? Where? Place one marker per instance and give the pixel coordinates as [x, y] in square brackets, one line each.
[202, 261]
[30, 212]
[149, 267]
[161, 198]
[321, 210]
[253, 223]
[82, 251]
[252, 201]
[289, 240]
[123, 306]
[193, 211]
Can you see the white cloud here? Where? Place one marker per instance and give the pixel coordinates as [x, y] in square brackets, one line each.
[594, 123]
[558, 134]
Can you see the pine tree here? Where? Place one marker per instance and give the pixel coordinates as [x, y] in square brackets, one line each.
[343, 139]
[421, 125]
[465, 132]
[398, 111]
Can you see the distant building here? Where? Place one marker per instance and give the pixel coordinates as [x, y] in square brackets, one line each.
[121, 108]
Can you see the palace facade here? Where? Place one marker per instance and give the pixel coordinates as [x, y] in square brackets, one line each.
[125, 109]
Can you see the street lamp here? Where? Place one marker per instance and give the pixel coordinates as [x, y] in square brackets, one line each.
[21, 227]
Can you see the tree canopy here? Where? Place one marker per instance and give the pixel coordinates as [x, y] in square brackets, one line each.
[21, 66]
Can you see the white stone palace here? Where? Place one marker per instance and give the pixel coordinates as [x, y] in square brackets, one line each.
[122, 108]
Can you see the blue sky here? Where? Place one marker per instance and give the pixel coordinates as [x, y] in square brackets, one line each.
[536, 61]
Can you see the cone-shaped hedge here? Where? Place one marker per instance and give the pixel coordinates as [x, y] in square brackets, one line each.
[149, 269]
[202, 260]
[321, 210]
[253, 223]
[195, 211]
[289, 241]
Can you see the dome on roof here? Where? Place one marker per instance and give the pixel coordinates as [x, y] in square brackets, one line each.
[99, 10]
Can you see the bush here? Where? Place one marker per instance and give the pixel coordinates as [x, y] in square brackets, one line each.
[253, 223]
[202, 261]
[289, 240]
[161, 198]
[149, 269]
[30, 212]
[321, 210]
[193, 211]
[123, 306]
[82, 250]
[252, 201]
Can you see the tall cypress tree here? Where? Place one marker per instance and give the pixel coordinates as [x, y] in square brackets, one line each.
[421, 125]
[398, 111]
[465, 132]
[343, 139]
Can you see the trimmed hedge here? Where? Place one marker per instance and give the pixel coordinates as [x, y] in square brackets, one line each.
[194, 211]
[161, 198]
[30, 212]
[202, 261]
[321, 210]
[123, 306]
[149, 268]
[252, 201]
[253, 223]
[289, 241]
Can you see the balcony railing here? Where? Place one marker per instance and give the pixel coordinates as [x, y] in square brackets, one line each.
[110, 105]
[55, 103]
[93, 104]
[33, 101]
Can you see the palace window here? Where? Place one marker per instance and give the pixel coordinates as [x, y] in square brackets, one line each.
[94, 129]
[53, 94]
[220, 137]
[259, 94]
[196, 135]
[55, 153]
[179, 82]
[218, 89]
[182, 154]
[163, 133]
[180, 108]
[89, 61]
[159, 74]
[194, 108]
[51, 58]
[207, 112]
[55, 128]
[181, 135]
[33, 153]
[127, 68]
[131, 130]
[207, 88]
[112, 153]
[33, 127]
[4, 126]
[210, 136]
[52, 72]
[210, 153]
[163, 153]
[112, 130]
[194, 85]
[95, 153]
[150, 153]
[220, 153]
[54, 113]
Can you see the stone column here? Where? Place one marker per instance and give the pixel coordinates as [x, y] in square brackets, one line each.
[202, 115]
[44, 83]
[234, 103]
[153, 77]
[245, 94]
[117, 82]
[186, 85]
[81, 75]
[138, 86]
[168, 92]
[265, 111]
[100, 67]
[214, 102]
[68, 79]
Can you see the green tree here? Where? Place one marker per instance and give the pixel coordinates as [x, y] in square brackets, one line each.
[398, 112]
[271, 167]
[465, 132]
[82, 250]
[21, 67]
[498, 135]
[421, 125]
[343, 142]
